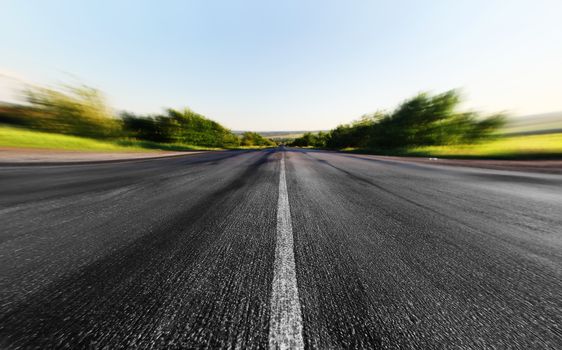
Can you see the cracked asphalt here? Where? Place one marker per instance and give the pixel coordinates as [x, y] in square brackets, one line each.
[180, 253]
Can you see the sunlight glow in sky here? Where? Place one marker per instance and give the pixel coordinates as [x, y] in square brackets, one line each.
[289, 65]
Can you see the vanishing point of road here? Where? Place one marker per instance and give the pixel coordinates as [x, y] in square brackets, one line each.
[279, 248]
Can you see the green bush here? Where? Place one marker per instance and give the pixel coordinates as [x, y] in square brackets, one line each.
[175, 126]
[424, 120]
[254, 139]
[82, 111]
[78, 111]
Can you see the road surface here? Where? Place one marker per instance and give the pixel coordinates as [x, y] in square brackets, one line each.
[279, 248]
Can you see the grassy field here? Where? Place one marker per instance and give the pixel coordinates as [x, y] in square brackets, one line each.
[22, 138]
[285, 136]
[511, 147]
[534, 124]
[529, 146]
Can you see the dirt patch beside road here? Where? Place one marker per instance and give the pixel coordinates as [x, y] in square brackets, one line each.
[26, 156]
[553, 166]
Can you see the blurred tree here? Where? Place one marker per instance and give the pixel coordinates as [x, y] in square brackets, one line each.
[78, 110]
[254, 139]
[176, 126]
[422, 120]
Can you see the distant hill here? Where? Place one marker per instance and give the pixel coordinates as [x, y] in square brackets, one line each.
[535, 124]
[544, 123]
[279, 135]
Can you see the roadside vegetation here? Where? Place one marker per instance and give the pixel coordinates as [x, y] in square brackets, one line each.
[254, 139]
[424, 120]
[16, 137]
[432, 125]
[78, 117]
[509, 147]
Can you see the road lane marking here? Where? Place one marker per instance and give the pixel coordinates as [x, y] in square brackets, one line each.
[285, 323]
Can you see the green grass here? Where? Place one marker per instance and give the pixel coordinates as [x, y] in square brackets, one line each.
[285, 136]
[22, 138]
[149, 145]
[511, 147]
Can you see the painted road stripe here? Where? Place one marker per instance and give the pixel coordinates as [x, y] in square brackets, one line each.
[285, 324]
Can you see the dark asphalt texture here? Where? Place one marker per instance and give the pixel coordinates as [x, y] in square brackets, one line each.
[179, 253]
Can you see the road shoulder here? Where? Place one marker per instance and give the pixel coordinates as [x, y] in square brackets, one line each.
[551, 166]
[26, 156]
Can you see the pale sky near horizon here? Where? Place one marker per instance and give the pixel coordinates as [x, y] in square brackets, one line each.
[289, 65]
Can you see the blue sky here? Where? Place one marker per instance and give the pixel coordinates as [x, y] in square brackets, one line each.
[289, 65]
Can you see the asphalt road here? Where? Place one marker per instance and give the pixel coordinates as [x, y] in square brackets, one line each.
[344, 251]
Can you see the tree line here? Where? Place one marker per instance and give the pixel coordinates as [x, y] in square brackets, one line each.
[83, 111]
[423, 120]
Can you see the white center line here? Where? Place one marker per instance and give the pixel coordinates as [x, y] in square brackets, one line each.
[285, 323]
